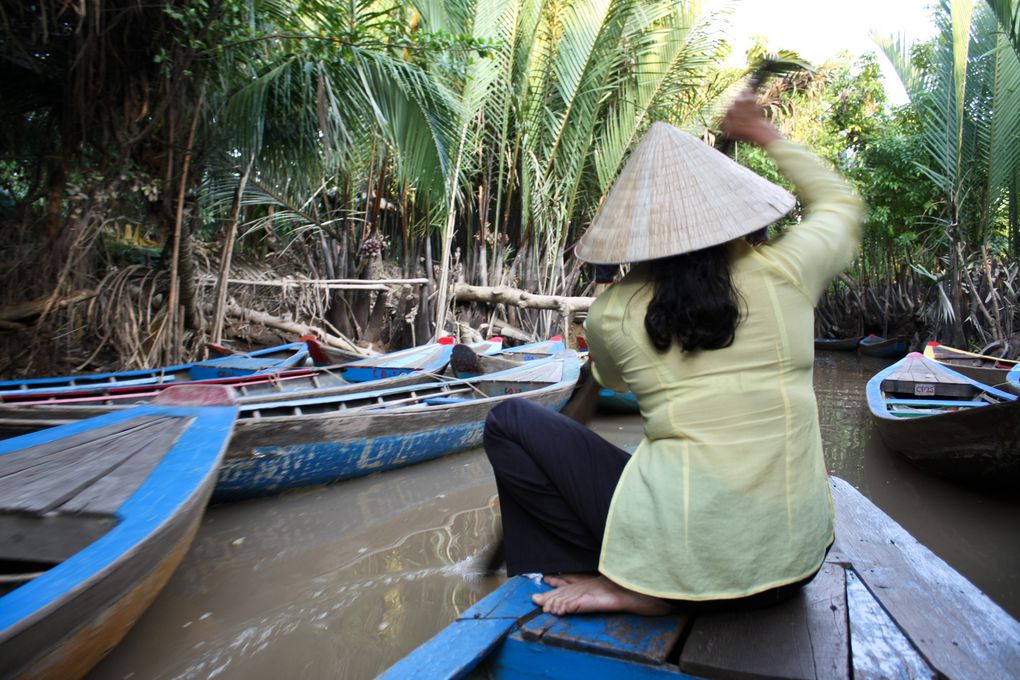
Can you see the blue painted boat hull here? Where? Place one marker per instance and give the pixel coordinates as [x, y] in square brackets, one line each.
[268, 455]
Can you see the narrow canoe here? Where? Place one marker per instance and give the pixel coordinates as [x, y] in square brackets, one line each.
[299, 442]
[268, 360]
[947, 423]
[1013, 380]
[906, 612]
[837, 344]
[981, 367]
[96, 515]
[884, 348]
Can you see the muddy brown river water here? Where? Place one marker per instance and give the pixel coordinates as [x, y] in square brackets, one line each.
[341, 581]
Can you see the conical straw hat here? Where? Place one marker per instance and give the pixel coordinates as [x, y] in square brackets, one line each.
[677, 194]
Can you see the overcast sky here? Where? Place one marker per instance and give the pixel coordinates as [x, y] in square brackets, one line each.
[817, 29]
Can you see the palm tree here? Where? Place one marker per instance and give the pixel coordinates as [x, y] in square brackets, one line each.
[968, 100]
[545, 124]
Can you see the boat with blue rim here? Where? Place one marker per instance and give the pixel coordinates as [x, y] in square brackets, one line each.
[838, 344]
[883, 348]
[289, 443]
[947, 423]
[882, 606]
[257, 362]
[95, 516]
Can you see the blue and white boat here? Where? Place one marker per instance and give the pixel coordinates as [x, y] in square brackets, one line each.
[268, 360]
[95, 516]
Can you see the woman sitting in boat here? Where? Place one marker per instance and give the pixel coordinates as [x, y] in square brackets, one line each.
[725, 501]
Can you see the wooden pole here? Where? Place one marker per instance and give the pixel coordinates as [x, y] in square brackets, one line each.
[171, 308]
[228, 253]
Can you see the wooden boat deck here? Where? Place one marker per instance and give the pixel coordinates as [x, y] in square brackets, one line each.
[883, 606]
[73, 487]
[915, 375]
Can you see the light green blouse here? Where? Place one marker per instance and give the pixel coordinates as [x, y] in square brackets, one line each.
[727, 495]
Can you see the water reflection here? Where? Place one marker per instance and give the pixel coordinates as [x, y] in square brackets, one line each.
[342, 581]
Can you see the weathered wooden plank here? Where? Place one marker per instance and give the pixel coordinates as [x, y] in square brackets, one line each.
[956, 628]
[67, 447]
[640, 638]
[803, 637]
[108, 492]
[510, 601]
[42, 488]
[878, 648]
[49, 539]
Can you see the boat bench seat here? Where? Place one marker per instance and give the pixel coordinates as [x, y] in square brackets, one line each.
[439, 401]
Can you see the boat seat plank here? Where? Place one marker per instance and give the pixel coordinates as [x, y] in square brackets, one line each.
[803, 637]
[878, 648]
[624, 636]
[958, 630]
[939, 389]
[109, 492]
[41, 489]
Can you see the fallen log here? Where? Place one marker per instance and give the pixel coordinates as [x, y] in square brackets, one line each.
[25, 310]
[500, 295]
[521, 298]
[298, 329]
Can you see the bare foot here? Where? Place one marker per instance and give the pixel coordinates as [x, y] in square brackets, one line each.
[559, 580]
[598, 594]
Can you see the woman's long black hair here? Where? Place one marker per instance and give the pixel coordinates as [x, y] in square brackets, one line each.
[695, 302]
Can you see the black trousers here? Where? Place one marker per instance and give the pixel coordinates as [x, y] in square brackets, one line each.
[555, 479]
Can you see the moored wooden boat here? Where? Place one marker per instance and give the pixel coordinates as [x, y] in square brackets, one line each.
[1013, 380]
[981, 367]
[884, 348]
[96, 515]
[947, 423]
[299, 442]
[268, 360]
[57, 408]
[882, 606]
[617, 402]
[837, 344]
